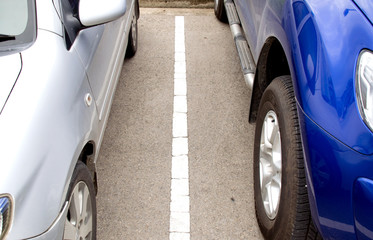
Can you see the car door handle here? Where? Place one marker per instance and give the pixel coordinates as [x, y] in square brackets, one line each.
[88, 99]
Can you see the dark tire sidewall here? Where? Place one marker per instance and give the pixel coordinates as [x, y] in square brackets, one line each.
[133, 40]
[279, 228]
[219, 10]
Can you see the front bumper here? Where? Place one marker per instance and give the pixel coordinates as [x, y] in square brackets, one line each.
[340, 184]
[55, 232]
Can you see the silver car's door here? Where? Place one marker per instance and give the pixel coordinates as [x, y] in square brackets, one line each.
[105, 45]
[101, 49]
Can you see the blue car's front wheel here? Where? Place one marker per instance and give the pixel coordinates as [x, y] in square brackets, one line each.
[281, 199]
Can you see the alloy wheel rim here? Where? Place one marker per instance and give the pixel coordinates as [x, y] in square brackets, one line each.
[270, 164]
[79, 220]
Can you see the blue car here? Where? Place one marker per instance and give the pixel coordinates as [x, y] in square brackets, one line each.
[309, 67]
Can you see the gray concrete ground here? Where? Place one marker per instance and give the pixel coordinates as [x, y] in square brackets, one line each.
[134, 167]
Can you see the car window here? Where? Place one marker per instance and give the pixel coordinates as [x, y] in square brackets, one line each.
[17, 25]
[13, 17]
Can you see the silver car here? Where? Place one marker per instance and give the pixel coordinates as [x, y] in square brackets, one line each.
[60, 61]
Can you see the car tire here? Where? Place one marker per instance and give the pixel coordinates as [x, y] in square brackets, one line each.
[81, 219]
[133, 34]
[219, 10]
[280, 192]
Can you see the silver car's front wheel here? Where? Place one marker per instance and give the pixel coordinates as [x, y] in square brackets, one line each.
[80, 223]
[270, 164]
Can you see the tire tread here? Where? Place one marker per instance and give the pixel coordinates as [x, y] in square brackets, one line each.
[300, 219]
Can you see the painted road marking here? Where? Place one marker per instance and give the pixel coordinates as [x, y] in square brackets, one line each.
[180, 201]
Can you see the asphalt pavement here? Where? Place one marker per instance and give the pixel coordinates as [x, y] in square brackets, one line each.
[134, 166]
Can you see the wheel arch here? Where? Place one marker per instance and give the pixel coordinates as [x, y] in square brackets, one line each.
[272, 63]
[87, 156]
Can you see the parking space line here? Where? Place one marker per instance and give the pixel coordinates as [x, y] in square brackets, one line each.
[180, 201]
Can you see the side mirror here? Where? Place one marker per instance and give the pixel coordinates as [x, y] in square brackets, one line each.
[95, 12]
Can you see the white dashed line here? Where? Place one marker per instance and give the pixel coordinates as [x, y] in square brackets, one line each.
[179, 205]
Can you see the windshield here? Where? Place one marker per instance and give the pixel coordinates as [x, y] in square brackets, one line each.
[17, 25]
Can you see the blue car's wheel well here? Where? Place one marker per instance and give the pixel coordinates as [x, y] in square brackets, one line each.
[272, 63]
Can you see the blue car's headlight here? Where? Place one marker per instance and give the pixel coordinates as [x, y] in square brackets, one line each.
[364, 86]
[5, 214]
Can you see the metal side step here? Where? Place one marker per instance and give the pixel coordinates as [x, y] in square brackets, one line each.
[244, 52]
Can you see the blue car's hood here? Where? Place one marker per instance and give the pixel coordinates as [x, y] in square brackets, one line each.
[10, 67]
[367, 7]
